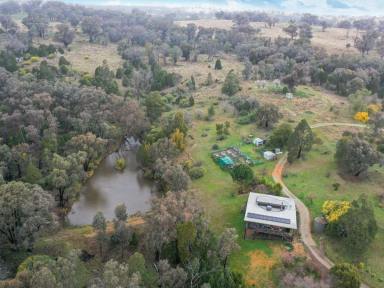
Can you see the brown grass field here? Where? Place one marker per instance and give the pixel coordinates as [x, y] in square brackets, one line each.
[334, 40]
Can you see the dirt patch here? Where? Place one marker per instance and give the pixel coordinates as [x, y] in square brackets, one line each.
[261, 266]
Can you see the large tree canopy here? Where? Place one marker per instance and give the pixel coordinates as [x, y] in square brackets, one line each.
[354, 155]
[300, 141]
[24, 212]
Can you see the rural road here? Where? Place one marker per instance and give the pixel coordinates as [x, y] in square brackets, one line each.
[305, 217]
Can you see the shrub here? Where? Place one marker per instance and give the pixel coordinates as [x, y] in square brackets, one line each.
[215, 147]
[336, 186]
[345, 275]
[120, 164]
[64, 69]
[196, 172]
[231, 84]
[218, 65]
[34, 59]
[333, 209]
[362, 117]
[86, 80]
[63, 61]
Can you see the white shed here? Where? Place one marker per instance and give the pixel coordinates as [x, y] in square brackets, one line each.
[269, 155]
[258, 141]
[289, 95]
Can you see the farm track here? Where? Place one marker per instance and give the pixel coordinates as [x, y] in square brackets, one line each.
[305, 217]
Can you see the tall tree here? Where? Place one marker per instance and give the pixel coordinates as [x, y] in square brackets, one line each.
[242, 174]
[354, 155]
[267, 115]
[64, 34]
[291, 30]
[300, 141]
[91, 25]
[99, 223]
[228, 244]
[358, 227]
[280, 136]
[231, 84]
[25, 211]
[366, 42]
[155, 105]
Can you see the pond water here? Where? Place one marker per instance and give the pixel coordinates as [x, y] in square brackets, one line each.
[108, 187]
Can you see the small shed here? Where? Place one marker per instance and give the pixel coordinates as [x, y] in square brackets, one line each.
[269, 155]
[258, 142]
[277, 151]
[289, 95]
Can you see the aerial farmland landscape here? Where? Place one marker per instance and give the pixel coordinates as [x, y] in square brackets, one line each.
[200, 144]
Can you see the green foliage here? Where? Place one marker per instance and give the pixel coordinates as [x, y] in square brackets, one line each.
[280, 136]
[242, 174]
[218, 65]
[162, 79]
[345, 275]
[45, 71]
[354, 155]
[211, 112]
[231, 84]
[357, 228]
[63, 61]
[186, 235]
[222, 130]
[300, 141]
[155, 105]
[267, 115]
[31, 261]
[25, 212]
[42, 50]
[86, 80]
[196, 172]
[8, 61]
[192, 84]
[104, 78]
[32, 174]
[120, 164]
[359, 100]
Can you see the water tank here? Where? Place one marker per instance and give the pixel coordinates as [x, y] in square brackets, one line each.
[319, 225]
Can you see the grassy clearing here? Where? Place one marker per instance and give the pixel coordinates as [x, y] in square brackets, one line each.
[86, 57]
[312, 181]
[333, 40]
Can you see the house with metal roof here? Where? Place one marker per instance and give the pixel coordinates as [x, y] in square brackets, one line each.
[269, 216]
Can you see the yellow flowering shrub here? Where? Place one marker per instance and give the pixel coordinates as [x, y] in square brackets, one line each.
[333, 210]
[177, 137]
[362, 117]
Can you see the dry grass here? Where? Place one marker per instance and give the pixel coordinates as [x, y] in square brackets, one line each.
[86, 57]
[334, 40]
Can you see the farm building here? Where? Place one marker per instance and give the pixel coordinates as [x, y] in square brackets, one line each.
[270, 217]
[269, 155]
[258, 142]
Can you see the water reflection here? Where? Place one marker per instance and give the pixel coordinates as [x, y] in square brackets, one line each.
[108, 187]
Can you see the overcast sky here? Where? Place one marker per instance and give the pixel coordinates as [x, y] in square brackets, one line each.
[333, 7]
